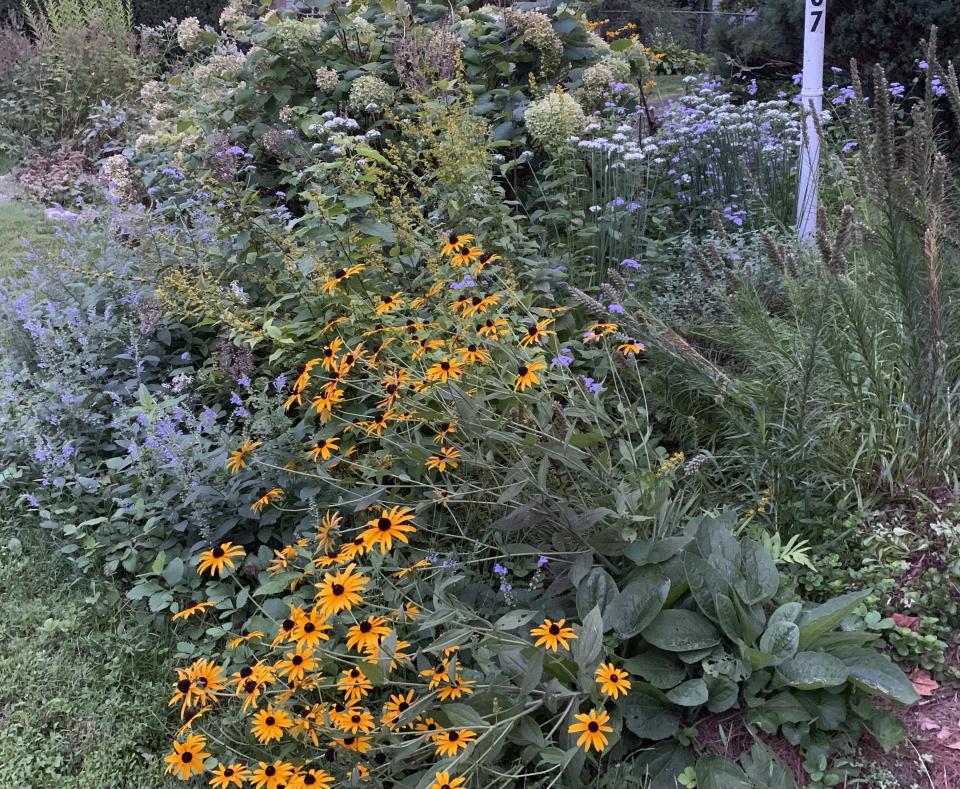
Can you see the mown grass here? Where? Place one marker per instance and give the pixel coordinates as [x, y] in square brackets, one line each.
[19, 221]
[83, 683]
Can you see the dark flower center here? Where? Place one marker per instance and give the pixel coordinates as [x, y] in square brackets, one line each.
[355, 719]
[445, 366]
[218, 552]
[249, 686]
[321, 443]
[384, 524]
[472, 348]
[355, 672]
[270, 720]
[245, 672]
[403, 706]
[349, 740]
[228, 772]
[386, 299]
[532, 331]
[288, 624]
[340, 273]
[186, 757]
[350, 358]
[309, 780]
[522, 371]
[270, 771]
[476, 300]
[554, 630]
[337, 589]
[614, 679]
[309, 627]
[593, 726]
[328, 352]
[453, 736]
[365, 627]
[183, 685]
[297, 660]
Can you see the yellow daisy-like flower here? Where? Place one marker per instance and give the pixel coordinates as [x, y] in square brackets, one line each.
[227, 775]
[366, 635]
[593, 730]
[356, 744]
[482, 264]
[244, 637]
[324, 448]
[631, 348]
[455, 241]
[271, 495]
[444, 370]
[356, 720]
[272, 776]
[310, 629]
[340, 275]
[297, 664]
[394, 709]
[479, 304]
[378, 424]
[238, 458]
[354, 684]
[527, 375]
[405, 571]
[553, 635]
[464, 255]
[598, 331]
[341, 591]
[457, 688]
[187, 757]
[443, 780]
[473, 354]
[449, 457]
[494, 328]
[393, 524]
[329, 355]
[329, 525]
[613, 681]
[216, 559]
[537, 332]
[269, 724]
[450, 742]
[389, 302]
[444, 431]
[436, 676]
[192, 608]
[313, 779]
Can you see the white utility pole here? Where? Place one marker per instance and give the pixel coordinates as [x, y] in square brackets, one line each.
[811, 98]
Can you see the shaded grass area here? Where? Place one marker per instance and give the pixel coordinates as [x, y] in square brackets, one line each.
[19, 221]
[83, 690]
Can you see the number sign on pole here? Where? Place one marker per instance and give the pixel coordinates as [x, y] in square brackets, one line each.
[811, 98]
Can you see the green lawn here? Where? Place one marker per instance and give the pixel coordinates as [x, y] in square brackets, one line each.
[18, 221]
[82, 700]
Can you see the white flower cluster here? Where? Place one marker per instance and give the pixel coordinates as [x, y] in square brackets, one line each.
[220, 65]
[188, 33]
[369, 93]
[327, 79]
[553, 120]
[116, 171]
[234, 16]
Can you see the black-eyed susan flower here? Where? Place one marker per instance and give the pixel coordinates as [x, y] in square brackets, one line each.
[217, 559]
[424, 345]
[393, 524]
[356, 720]
[592, 728]
[297, 664]
[367, 633]
[444, 370]
[460, 303]
[389, 302]
[356, 547]
[473, 354]
[271, 776]
[251, 681]
[341, 275]
[229, 775]
[395, 707]
[310, 630]
[244, 637]
[329, 526]
[378, 424]
[269, 724]
[465, 254]
[288, 625]
[271, 495]
[613, 681]
[324, 448]
[314, 779]
[238, 458]
[329, 354]
[187, 757]
[494, 328]
[488, 260]
[537, 332]
[527, 375]
[458, 687]
[443, 780]
[553, 635]
[631, 348]
[354, 684]
[449, 743]
[449, 457]
[598, 331]
[281, 559]
[444, 431]
[405, 571]
[436, 676]
[356, 744]
[340, 591]
[189, 719]
[454, 241]
[480, 304]
[192, 608]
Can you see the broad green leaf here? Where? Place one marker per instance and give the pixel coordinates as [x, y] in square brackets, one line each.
[589, 644]
[173, 572]
[759, 578]
[463, 715]
[718, 772]
[663, 763]
[764, 769]
[636, 606]
[888, 730]
[678, 630]
[514, 619]
[660, 669]
[778, 710]
[649, 717]
[827, 616]
[705, 583]
[691, 693]
[718, 548]
[598, 589]
[780, 640]
[813, 670]
[877, 674]
[788, 612]
[723, 693]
